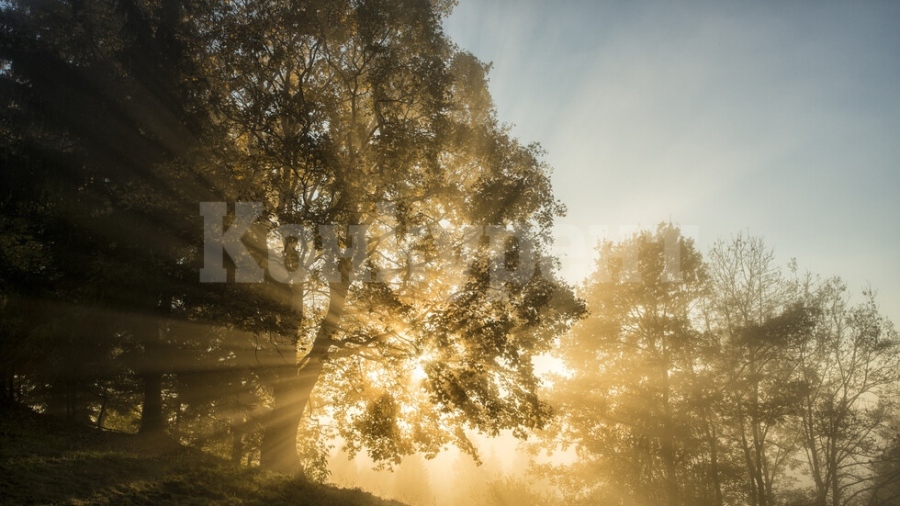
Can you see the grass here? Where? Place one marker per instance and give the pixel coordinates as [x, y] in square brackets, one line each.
[46, 461]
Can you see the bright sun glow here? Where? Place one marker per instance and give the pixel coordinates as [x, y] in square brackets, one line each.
[418, 373]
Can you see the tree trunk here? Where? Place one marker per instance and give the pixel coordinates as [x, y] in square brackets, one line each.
[8, 395]
[278, 451]
[668, 443]
[748, 458]
[56, 400]
[237, 444]
[151, 411]
[712, 437]
[294, 384]
[101, 414]
[835, 467]
[815, 467]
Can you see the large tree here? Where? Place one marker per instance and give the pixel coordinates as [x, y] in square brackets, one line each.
[346, 156]
[400, 219]
[757, 320]
[804, 377]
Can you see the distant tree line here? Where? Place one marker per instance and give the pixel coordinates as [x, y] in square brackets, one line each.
[725, 380]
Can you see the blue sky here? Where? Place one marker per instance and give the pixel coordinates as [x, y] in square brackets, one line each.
[777, 119]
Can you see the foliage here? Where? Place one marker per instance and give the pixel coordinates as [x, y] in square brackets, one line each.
[723, 384]
[629, 406]
[356, 126]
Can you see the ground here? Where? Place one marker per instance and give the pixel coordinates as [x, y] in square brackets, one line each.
[47, 461]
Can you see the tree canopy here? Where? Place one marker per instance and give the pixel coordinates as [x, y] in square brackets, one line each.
[252, 219]
[723, 379]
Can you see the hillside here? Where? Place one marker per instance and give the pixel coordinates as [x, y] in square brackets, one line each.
[45, 461]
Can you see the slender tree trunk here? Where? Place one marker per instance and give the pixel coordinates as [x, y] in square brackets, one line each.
[809, 439]
[835, 491]
[7, 396]
[101, 414]
[759, 452]
[151, 411]
[834, 465]
[715, 475]
[748, 458]
[758, 473]
[237, 443]
[668, 448]
[11, 391]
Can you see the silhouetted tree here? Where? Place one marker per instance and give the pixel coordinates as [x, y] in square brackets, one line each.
[364, 118]
[413, 311]
[629, 407]
[754, 316]
[107, 127]
[884, 488]
[743, 374]
[847, 367]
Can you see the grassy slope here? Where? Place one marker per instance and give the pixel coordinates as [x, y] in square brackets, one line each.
[43, 461]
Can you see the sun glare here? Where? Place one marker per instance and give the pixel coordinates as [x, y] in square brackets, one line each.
[418, 373]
